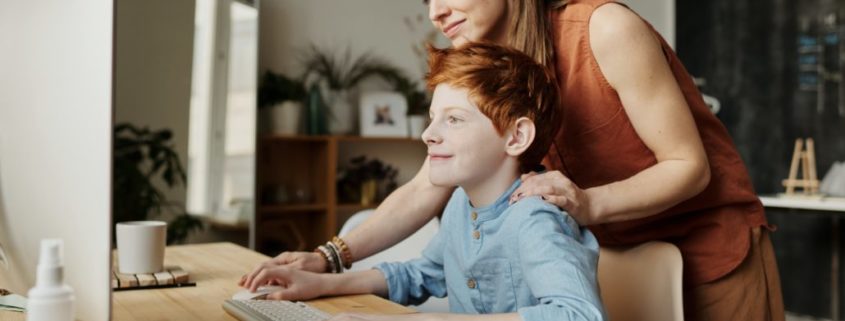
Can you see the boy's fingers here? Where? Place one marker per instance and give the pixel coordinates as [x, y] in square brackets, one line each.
[260, 279]
[258, 269]
[283, 294]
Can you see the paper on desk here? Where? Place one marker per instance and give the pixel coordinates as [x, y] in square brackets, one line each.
[13, 302]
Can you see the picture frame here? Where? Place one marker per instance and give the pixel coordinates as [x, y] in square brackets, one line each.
[383, 114]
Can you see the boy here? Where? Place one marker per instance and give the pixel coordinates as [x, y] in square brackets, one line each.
[493, 116]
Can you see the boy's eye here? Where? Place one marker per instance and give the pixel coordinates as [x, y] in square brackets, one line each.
[425, 2]
[452, 119]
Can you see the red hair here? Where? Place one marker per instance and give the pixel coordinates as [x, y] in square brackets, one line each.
[505, 84]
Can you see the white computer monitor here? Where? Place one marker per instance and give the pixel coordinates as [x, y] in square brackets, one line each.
[55, 143]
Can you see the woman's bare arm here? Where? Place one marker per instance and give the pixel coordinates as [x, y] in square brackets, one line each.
[403, 212]
[632, 60]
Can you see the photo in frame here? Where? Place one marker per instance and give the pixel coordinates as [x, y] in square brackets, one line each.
[383, 114]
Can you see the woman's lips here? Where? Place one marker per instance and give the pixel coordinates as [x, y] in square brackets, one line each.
[452, 29]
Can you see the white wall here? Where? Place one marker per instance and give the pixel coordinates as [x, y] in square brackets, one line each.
[290, 26]
[661, 15]
[55, 140]
[153, 53]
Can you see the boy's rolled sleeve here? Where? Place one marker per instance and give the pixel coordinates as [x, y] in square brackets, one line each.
[414, 281]
[559, 270]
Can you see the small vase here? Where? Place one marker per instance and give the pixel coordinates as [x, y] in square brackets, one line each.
[316, 112]
[369, 188]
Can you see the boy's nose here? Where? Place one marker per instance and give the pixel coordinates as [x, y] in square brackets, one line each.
[430, 137]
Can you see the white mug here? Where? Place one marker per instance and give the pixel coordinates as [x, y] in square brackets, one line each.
[140, 246]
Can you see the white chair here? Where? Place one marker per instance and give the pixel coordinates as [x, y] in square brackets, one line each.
[642, 283]
[409, 248]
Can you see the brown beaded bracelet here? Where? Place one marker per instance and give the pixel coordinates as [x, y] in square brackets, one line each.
[344, 251]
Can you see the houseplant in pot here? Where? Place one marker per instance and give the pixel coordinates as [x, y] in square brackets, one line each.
[337, 78]
[143, 160]
[280, 103]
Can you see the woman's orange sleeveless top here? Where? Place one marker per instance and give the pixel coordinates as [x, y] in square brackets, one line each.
[597, 145]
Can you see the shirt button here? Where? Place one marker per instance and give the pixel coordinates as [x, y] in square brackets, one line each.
[471, 283]
[474, 216]
[476, 234]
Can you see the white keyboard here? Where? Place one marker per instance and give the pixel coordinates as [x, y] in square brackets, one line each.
[272, 310]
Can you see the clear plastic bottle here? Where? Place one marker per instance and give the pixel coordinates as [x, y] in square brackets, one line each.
[51, 299]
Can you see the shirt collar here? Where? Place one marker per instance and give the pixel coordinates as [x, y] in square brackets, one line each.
[495, 209]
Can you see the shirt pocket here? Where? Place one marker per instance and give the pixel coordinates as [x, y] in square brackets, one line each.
[495, 281]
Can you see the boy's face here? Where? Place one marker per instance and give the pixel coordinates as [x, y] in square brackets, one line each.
[463, 145]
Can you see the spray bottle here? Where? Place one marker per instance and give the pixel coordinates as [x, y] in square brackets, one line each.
[51, 299]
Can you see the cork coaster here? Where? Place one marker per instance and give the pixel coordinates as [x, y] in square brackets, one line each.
[172, 275]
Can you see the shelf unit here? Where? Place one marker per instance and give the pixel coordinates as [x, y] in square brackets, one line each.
[307, 165]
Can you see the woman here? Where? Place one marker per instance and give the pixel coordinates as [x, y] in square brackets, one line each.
[639, 157]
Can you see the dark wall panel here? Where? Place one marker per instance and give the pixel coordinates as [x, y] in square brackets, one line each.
[748, 52]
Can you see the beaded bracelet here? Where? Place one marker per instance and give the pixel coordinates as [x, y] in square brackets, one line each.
[338, 265]
[331, 258]
[344, 251]
[336, 252]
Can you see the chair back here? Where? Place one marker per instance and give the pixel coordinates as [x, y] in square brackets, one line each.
[642, 283]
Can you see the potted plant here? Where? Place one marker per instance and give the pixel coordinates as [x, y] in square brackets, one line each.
[337, 77]
[280, 103]
[141, 158]
[365, 181]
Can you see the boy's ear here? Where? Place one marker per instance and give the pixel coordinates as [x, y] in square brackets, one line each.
[521, 136]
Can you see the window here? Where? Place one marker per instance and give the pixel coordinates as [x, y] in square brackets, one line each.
[221, 155]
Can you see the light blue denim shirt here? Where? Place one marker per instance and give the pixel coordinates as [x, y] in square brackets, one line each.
[528, 257]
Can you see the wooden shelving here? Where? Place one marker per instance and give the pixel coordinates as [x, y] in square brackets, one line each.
[326, 138]
[355, 207]
[309, 164]
[292, 208]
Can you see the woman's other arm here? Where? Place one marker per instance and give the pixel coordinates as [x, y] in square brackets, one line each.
[403, 212]
[632, 60]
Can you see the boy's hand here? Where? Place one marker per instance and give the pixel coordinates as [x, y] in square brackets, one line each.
[556, 189]
[297, 284]
[308, 261]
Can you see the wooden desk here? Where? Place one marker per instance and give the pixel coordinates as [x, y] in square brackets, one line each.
[216, 268]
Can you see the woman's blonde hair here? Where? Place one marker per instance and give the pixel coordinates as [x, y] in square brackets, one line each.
[530, 28]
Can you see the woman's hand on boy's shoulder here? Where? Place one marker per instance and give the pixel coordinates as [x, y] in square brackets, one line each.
[557, 189]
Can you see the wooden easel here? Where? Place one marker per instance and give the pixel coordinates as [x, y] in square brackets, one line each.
[806, 158]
